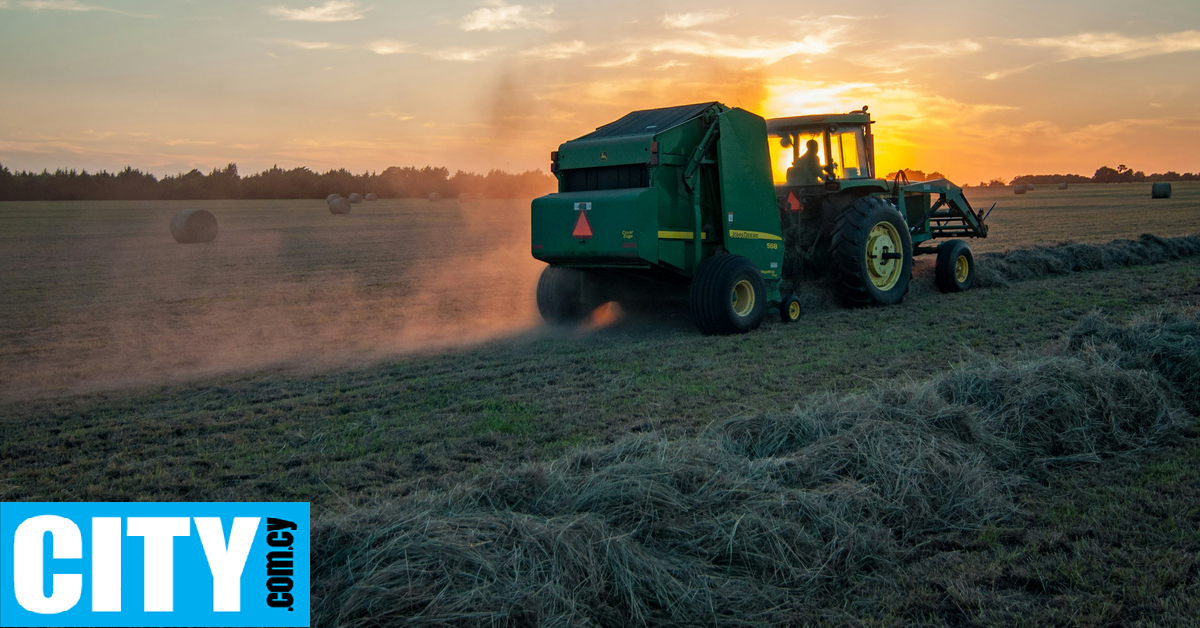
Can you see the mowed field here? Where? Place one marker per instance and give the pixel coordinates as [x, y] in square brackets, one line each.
[97, 296]
[353, 361]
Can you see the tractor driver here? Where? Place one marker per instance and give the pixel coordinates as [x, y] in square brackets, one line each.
[807, 169]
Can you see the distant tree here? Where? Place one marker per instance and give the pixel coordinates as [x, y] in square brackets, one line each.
[275, 182]
[1050, 179]
[917, 175]
[6, 184]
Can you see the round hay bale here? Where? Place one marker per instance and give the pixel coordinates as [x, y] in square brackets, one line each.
[1062, 186]
[1160, 190]
[464, 197]
[1028, 187]
[1019, 189]
[434, 197]
[339, 205]
[356, 198]
[194, 226]
[332, 196]
[372, 197]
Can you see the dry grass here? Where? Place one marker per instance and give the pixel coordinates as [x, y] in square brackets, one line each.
[762, 519]
[997, 269]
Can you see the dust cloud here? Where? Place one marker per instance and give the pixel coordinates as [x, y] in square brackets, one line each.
[99, 297]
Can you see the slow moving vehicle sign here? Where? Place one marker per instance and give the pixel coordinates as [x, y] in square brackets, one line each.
[154, 564]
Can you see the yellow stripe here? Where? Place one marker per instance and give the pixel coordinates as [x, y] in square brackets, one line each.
[752, 235]
[679, 235]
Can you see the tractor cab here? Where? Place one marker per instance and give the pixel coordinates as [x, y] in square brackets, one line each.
[818, 149]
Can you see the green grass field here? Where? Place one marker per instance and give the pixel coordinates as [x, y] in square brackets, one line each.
[354, 360]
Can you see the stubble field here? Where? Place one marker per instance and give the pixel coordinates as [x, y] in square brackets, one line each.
[359, 361]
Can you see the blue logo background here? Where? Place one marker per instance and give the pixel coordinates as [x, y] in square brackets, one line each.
[193, 590]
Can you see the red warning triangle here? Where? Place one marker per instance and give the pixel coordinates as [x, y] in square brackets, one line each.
[583, 229]
[793, 203]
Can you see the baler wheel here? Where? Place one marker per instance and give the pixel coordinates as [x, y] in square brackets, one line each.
[955, 270]
[872, 253]
[565, 295]
[728, 295]
[789, 310]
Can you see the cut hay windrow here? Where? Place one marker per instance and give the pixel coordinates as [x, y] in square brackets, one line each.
[998, 269]
[759, 520]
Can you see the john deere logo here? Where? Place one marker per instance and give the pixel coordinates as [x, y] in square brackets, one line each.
[603, 155]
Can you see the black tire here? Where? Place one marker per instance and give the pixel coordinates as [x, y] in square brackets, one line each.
[728, 296]
[566, 295]
[951, 274]
[789, 310]
[861, 277]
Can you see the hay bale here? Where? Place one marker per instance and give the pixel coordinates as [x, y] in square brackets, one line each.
[1160, 190]
[356, 198]
[434, 197]
[372, 197]
[1062, 186]
[1028, 187]
[194, 226]
[1019, 189]
[339, 206]
[464, 197]
[332, 196]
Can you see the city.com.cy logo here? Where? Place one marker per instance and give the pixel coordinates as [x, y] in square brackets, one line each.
[154, 564]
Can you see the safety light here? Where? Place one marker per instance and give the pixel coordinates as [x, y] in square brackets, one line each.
[553, 161]
[653, 153]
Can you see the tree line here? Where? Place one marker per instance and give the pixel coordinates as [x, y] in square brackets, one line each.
[275, 183]
[1105, 174]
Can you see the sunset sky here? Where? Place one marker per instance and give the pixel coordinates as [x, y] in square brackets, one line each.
[974, 89]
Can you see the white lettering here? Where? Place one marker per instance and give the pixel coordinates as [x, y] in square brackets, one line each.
[106, 564]
[160, 533]
[227, 563]
[28, 570]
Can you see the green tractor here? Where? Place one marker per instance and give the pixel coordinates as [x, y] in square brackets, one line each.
[727, 210]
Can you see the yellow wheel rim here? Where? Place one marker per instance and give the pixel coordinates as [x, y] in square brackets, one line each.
[794, 310]
[962, 268]
[884, 238]
[743, 298]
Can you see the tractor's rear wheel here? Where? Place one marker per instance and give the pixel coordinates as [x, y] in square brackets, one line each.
[955, 269]
[566, 295]
[728, 295]
[872, 254]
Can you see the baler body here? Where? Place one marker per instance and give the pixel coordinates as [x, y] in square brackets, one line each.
[645, 198]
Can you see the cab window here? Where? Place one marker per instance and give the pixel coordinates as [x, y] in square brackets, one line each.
[849, 154]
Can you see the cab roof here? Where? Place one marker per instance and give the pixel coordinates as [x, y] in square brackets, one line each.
[820, 120]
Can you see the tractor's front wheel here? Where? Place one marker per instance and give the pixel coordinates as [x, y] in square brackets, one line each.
[728, 295]
[955, 269]
[566, 295]
[872, 253]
